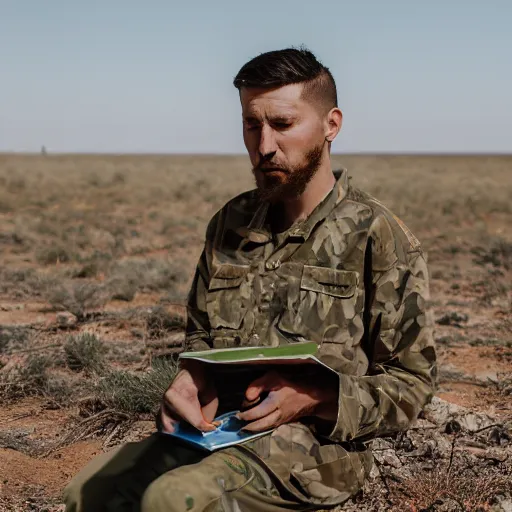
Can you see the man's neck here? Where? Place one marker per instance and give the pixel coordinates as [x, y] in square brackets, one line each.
[299, 208]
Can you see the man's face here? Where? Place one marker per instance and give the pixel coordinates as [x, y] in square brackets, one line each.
[285, 137]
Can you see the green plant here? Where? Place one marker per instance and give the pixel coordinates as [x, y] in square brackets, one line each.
[32, 378]
[159, 322]
[51, 255]
[77, 298]
[133, 393]
[85, 352]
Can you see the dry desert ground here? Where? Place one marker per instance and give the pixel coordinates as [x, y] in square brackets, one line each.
[97, 253]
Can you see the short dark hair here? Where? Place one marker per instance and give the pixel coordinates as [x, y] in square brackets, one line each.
[290, 66]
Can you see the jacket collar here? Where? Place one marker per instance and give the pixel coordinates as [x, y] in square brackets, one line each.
[258, 230]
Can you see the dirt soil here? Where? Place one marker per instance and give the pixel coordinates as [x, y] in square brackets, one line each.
[105, 246]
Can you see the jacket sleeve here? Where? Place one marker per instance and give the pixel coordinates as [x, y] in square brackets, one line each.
[397, 340]
[197, 333]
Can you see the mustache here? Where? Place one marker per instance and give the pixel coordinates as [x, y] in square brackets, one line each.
[266, 166]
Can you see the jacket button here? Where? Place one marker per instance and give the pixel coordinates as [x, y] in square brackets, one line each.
[254, 338]
[272, 265]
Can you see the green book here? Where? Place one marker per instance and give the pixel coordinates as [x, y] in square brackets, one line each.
[292, 353]
[232, 370]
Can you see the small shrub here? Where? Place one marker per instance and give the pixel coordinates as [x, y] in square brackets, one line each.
[88, 270]
[77, 298]
[14, 337]
[7, 204]
[497, 252]
[129, 276]
[502, 383]
[32, 379]
[462, 487]
[118, 178]
[123, 289]
[85, 352]
[159, 322]
[23, 282]
[134, 394]
[52, 255]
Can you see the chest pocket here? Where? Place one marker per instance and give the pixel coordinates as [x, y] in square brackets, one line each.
[329, 281]
[324, 306]
[225, 298]
[321, 306]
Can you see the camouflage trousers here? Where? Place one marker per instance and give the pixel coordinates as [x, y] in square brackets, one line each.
[160, 474]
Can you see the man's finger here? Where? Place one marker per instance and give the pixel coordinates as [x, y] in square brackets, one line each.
[190, 411]
[266, 423]
[210, 410]
[256, 387]
[268, 406]
[167, 422]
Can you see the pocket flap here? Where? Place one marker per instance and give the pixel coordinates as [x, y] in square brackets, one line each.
[228, 276]
[338, 283]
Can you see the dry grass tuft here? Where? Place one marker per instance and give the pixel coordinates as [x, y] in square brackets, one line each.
[497, 252]
[118, 399]
[32, 378]
[136, 394]
[85, 352]
[52, 255]
[14, 337]
[502, 383]
[465, 489]
[127, 277]
[78, 298]
[160, 322]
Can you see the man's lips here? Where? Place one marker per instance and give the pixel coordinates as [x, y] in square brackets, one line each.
[271, 169]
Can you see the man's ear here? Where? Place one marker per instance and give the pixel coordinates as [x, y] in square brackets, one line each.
[334, 122]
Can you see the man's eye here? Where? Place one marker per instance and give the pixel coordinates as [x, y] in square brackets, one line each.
[282, 126]
[251, 127]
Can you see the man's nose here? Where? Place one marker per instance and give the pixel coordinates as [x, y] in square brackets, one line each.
[267, 142]
[266, 157]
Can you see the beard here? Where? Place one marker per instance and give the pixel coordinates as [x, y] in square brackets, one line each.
[277, 183]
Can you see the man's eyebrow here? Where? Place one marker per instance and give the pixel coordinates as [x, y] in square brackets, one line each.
[278, 118]
[283, 118]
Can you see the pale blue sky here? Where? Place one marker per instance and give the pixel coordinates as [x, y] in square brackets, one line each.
[156, 76]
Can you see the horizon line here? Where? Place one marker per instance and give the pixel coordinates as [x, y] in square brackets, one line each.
[227, 154]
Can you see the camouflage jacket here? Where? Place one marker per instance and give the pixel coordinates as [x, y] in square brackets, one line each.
[352, 278]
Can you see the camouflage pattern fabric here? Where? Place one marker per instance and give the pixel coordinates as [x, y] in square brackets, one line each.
[160, 474]
[352, 278]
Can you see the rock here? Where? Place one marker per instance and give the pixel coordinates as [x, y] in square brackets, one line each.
[448, 505]
[473, 422]
[440, 411]
[453, 427]
[374, 472]
[503, 505]
[390, 459]
[499, 435]
[381, 444]
[454, 416]
[66, 319]
[385, 453]
[405, 443]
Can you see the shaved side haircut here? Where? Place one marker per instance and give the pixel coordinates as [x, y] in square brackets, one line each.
[290, 66]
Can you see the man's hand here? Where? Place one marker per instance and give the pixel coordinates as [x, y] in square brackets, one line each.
[287, 401]
[191, 397]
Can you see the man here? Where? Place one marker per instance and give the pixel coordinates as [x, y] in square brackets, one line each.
[305, 256]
